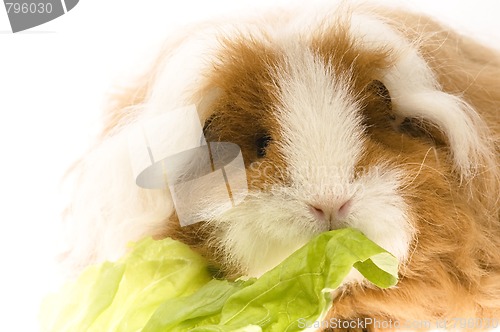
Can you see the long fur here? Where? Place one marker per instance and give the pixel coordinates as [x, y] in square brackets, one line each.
[430, 193]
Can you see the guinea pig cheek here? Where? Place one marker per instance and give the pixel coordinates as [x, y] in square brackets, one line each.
[270, 223]
[380, 212]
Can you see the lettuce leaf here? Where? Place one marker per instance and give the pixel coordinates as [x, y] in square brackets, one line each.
[164, 286]
[122, 296]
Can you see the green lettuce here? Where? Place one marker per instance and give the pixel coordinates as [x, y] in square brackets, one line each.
[164, 286]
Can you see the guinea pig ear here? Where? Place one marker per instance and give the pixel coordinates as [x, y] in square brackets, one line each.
[378, 106]
[381, 91]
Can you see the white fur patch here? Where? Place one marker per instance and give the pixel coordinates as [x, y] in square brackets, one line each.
[380, 212]
[319, 119]
[258, 234]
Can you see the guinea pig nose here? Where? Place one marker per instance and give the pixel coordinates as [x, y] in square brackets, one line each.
[330, 211]
[343, 210]
[317, 212]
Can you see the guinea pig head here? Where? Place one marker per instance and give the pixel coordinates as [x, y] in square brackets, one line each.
[315, 126]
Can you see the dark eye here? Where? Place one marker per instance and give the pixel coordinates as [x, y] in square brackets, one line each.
[261, 143]
[410, 127]
[420, 128]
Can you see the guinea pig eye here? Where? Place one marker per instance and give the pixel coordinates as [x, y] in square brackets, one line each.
[420, 128]
[411, 127]
[261, 143]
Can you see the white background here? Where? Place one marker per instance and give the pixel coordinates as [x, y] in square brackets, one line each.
[53, 79]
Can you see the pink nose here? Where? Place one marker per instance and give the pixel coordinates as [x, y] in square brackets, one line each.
[330, 211]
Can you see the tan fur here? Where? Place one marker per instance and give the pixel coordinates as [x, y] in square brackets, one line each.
[454, 267]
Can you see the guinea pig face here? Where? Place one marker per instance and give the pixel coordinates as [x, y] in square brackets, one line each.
[315, 127]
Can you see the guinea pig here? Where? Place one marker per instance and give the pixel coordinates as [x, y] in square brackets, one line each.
[346, 116]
